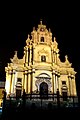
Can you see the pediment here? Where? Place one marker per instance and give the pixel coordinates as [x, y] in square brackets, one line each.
[43, 75]
[19, 68]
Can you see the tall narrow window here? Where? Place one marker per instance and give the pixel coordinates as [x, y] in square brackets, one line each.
[42, 39]
[43, 58]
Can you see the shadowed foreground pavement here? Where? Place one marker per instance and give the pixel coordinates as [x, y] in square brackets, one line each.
[23, 114]
[43, 109]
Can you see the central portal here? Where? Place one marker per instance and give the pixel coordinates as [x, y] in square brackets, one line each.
[44, 90]
[43, 83]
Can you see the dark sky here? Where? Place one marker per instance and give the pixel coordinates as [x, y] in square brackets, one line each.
[17, 21]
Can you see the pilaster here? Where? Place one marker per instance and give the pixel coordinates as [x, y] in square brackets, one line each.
[69, 87]
[29, 80]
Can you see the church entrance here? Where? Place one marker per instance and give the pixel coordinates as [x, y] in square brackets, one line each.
[43, 83]
[43, 90]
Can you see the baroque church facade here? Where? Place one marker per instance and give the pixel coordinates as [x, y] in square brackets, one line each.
[40, 68]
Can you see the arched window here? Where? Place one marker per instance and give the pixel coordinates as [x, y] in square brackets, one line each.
[42, 39]
[43, 58]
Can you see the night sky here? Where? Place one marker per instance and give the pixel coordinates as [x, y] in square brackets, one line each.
[18, 20]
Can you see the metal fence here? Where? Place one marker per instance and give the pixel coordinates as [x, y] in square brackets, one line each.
[42, 100]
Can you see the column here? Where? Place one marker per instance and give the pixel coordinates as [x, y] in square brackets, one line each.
[8, 82]
[52, 82]
[33, 53]
[33, 82]
[27, 55]
[55, 57]
[54, 87]
[25, 85]
[24, 81]
[74, 86]
[69, 87]
[56, 82]
[13, 81]
[30, 54]
[29, 80]
[52, 56]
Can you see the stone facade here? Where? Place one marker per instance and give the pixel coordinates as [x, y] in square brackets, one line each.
[40, 67]
[2, 88]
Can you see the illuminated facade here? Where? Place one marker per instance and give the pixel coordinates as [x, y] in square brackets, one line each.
[40, 68]
[2, 88]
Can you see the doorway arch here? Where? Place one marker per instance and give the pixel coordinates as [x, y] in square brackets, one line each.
[45, 79]
[44, 90]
